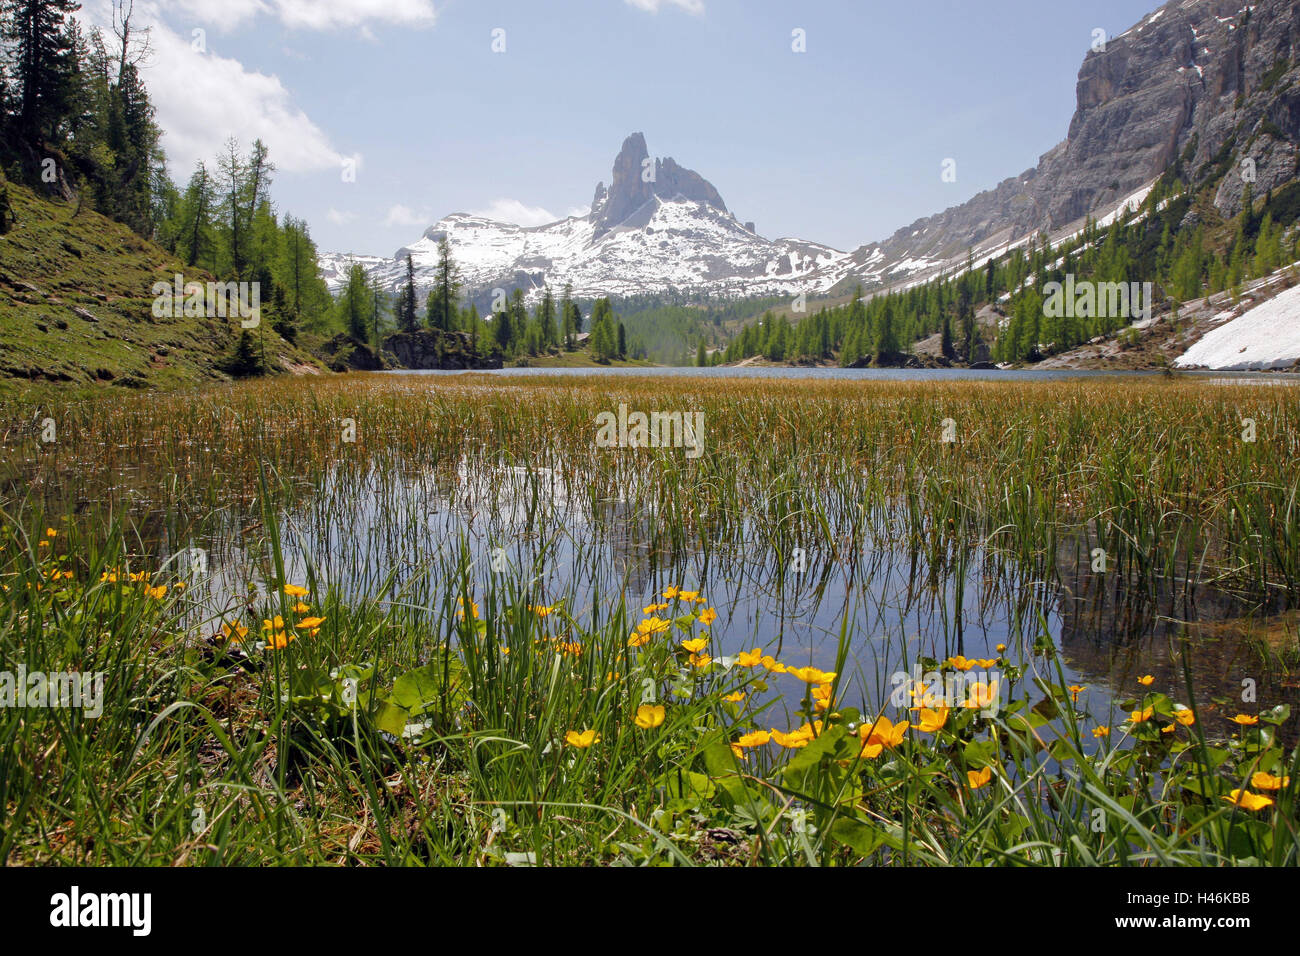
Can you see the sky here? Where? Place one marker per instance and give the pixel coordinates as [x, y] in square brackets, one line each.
[383, 116]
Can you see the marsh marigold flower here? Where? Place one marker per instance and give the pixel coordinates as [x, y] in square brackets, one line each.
[749, 658]
[811, 675]
[1245, 720]
[1100, 732]
[1266, 781]
[294, 590]
[582, 740]
[932, 721]
[1141, 716]
[1146, 681]
[649, 716]
[695, 645]
[1184, 716]
[735, 698]
[979, 778]
[756, 738]
[1250, 801]
[708, 616]
[982, 695]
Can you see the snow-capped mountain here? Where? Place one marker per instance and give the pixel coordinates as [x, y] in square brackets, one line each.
[1197, 86]
[657, 228]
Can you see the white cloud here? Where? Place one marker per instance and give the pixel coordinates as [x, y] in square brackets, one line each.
[400, 215]
[309, 14]
[340, 218]
[512, 210]
[203, 99]
[695, 7]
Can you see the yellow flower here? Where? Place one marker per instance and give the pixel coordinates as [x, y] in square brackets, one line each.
[649, 716]
[798, 738]
[157, 593]
[1250, 801]
[1101, 732]
[689, 595]
[1168, 728]
[1266, 781]
[1184, 716]
[772, 664]
[278, 640]
[735, 698]
[670, 593]
[294, 590]
[473, 609]
[1146, 681]
[43, 544]
[234, 632]
[979, 778]
[581, 740]
[749, 658]
[654, 608]
[310, 623]
[961, 663]
[1141, 716]
[1245, 720]
[811, 675]
[884, 732]
[638, 639]
[541, 610]
[51, 533]
[932, 721]
[653, 625]
[568, 647]
[708, 617]
[696, 645]
[757, 738]
[277, 624]
[1075, 691]
[1001, 648]
[701, 660]
[982, 695]
[986, 662]
[738, 752]
[822, 695]
[301, 608]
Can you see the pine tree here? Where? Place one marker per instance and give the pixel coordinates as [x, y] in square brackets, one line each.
[406, 317]
[446, 290]
[44, 63]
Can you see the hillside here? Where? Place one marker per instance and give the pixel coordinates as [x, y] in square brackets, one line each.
[76, 306]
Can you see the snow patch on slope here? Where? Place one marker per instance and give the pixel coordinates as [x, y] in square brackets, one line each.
[1268, 336]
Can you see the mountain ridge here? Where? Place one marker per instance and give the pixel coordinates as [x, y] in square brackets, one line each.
[1194, 84]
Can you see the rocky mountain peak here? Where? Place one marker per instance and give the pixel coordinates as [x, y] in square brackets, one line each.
[637, 180]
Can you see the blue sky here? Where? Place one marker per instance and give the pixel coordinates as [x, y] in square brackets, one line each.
[841, 144]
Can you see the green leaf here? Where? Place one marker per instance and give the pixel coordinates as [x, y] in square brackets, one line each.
[862, 838]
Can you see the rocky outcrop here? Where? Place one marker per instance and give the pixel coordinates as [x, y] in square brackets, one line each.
[1200, 86]
[345, 354]
[636, 181]
[429, 349]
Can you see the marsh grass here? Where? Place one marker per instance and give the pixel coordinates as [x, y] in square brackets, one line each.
[435, 716]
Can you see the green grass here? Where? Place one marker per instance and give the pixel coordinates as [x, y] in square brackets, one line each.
[406, 732]
[76, 307]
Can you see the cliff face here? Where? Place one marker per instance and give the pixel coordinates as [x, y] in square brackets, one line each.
[1200, 85]
[636, 181]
